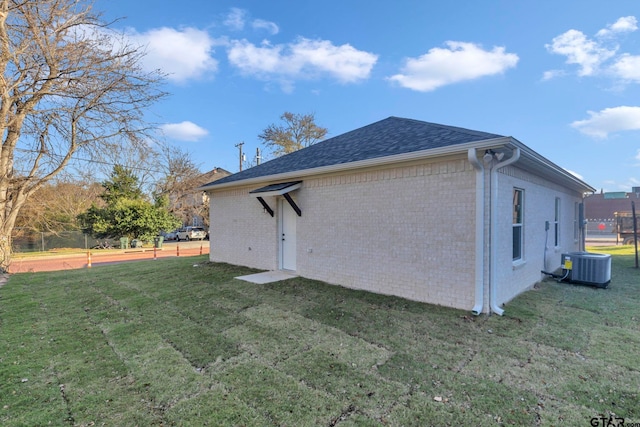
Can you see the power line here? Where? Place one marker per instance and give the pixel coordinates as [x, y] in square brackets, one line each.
[102, 162]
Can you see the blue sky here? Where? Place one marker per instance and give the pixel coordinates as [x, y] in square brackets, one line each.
[562, 77]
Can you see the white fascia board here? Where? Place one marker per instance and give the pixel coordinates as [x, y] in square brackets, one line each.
[550, 170]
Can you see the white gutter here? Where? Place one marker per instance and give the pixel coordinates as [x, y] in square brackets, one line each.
[378, 161]
[472, 155]
[493, 265]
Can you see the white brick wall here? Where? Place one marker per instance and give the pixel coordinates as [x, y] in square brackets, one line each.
[539, 206]
[406, 231]
[241, 232]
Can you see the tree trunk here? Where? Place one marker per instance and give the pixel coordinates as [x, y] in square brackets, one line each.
[5, 251]
[10, 210]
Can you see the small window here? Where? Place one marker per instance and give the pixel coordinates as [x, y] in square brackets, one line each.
[556, 223]
[518, 223]
[576, 214]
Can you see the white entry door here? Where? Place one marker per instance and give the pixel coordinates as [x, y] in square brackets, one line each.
[288, 218]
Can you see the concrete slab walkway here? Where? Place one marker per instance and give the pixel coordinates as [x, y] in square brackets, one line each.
[267, 277]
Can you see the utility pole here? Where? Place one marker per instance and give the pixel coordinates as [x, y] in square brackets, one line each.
[257, 156]
[239, 145]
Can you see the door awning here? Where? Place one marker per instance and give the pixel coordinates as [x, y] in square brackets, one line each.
[279, 189]
[276, 189]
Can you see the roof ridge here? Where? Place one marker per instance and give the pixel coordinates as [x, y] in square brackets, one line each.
[443, 126]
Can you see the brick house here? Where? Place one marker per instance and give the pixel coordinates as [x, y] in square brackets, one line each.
[188, 203]
[428, 212]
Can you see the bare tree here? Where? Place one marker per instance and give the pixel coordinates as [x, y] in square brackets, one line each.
[179, 181]
[54, 207]
[182, 177]
[69, 87]
[298, 131]
[143, 159]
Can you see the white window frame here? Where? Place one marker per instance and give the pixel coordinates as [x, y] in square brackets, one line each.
[576, 214]
[518, 224]
[556, 223]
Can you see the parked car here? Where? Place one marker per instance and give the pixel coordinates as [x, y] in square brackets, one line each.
[191, 233]
[171, 235]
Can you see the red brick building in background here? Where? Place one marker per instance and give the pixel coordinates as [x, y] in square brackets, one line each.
[600, 208]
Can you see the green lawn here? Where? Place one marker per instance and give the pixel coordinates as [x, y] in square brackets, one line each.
[180, 342]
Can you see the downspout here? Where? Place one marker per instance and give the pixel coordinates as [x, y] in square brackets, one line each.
[472, 155]
[493, 282]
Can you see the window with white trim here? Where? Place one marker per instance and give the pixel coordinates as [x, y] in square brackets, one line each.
[576, 214]
[518, 224]
[556, 224]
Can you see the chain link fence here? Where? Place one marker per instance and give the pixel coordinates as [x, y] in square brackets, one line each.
[42, 241]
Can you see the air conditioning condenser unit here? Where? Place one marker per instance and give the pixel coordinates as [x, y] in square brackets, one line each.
[587, 268]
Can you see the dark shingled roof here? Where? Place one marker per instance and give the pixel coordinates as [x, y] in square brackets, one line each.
[386, 137]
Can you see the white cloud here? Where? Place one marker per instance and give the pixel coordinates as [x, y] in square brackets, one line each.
[633, 182]
[261, 24]
[625, 185]
[626, 24]
[638, 157]
[576, 174]
[302, 59]
[184, 131]
[459, 62]
[552, 74]
[578, 49]
[629, 184]
[601, 124]
[627, 67]
[236, 18]
[591, 55]
[252, 59]
[345, 63]
[182, 54]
